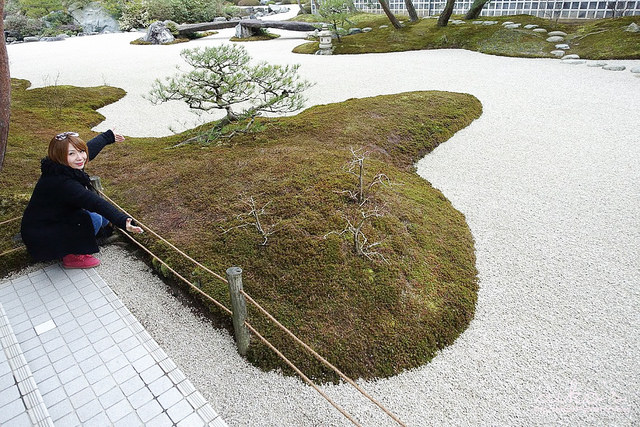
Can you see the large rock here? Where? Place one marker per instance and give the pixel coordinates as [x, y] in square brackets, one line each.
[94, 19]
[158, 33]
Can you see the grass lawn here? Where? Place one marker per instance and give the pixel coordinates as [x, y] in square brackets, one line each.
[370, 318]
[591, 39]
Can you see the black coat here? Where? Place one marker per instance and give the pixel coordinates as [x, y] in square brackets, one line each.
[55, 222]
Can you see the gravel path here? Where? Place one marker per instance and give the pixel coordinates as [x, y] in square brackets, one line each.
[548, 180]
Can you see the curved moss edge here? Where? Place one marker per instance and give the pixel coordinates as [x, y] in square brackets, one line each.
[370, 319]
[591, 39]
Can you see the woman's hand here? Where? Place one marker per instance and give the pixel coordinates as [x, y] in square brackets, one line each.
[118, 137]
[133, 228]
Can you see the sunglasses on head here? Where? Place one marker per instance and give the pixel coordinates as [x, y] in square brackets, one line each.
[64, 135]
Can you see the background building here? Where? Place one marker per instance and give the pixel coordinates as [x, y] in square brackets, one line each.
[543, 9]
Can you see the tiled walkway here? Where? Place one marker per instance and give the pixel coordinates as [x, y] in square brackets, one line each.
[72, 354]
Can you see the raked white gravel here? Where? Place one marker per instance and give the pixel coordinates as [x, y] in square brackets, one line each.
[549, 180]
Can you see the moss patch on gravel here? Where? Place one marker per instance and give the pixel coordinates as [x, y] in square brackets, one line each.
[593, 39]
[369, 318]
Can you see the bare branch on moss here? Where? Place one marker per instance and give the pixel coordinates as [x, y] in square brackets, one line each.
[355, 167]
[361, 245]
[252, 218]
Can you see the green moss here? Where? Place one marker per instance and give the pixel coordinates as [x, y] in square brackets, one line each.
[264, 35]
[370, 319]
[599, 39]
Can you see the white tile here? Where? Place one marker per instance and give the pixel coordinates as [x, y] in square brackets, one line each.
[45, 327]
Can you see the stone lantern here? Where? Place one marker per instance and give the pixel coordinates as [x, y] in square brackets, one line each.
[325, 41]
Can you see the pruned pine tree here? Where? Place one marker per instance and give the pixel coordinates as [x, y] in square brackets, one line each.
[222, 78]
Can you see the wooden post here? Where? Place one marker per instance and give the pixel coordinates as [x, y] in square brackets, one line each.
[239, 309]
[95, 181]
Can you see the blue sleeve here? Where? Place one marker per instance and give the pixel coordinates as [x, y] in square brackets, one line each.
[96, 144]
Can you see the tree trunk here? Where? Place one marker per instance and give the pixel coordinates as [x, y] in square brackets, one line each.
[391, 16]
[5, 91]
[475, 9]
[443, 20]
[413, 15]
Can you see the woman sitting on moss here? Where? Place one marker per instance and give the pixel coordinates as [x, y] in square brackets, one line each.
[65, 213]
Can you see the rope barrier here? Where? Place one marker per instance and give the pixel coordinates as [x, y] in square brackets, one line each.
[252, 329]
[303, 376]
[10, 220]
[194, 287]
[266, 313]
[166, 241]
[12, 250]
[320, 358]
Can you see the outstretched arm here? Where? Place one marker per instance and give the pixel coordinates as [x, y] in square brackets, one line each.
[96, 144]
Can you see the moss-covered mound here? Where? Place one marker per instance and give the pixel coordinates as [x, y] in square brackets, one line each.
[593, 39]
[370, 318]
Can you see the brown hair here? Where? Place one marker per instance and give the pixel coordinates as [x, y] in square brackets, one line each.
[59, 148]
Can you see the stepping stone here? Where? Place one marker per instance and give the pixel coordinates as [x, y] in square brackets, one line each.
[562, 46]
[366, 29]
[508, 23]
[572, 56]
[477, 22]
[599, 64]
[558, 33]
[635, 70]
[512, 26]
[489, 22]
[572, 61]
[539, 30]
[555, 39]
[530, 26]
[614, 67]
[557, 53]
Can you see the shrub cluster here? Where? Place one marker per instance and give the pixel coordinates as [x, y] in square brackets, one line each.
[20, 26]
[140, 13]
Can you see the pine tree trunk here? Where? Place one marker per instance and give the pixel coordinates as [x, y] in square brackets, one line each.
[443, 20]
[413, 15]
[391, 16]
[475, 9]
[5, 91]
